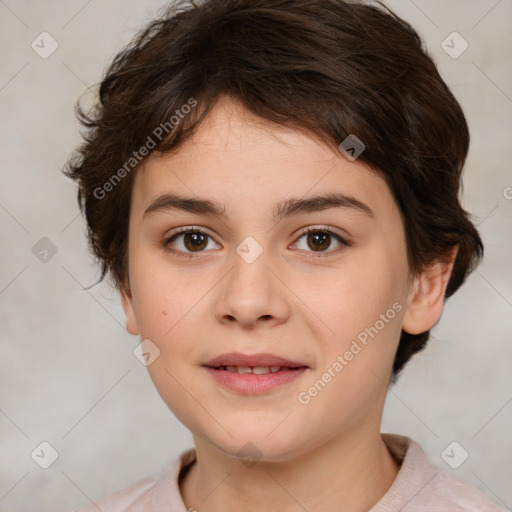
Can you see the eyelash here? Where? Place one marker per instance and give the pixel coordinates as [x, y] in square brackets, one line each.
[314, 254]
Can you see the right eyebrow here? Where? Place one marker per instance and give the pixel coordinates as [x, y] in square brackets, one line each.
[187, 204]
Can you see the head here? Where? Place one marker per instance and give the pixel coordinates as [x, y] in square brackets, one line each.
[226, 118]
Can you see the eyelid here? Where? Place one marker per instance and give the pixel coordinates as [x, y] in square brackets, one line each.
[188, 229]
[325, 228]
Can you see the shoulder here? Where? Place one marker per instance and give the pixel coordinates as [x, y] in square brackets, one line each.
[422, 486]
[135, 498]
[152, 493]
[450, 490]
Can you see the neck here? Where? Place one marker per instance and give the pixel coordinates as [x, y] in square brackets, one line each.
[350, 472]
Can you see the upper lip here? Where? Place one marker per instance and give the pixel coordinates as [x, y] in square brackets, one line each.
[246, 360]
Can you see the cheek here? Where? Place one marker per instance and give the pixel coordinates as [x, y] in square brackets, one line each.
[365, 312]
[168, 309]
[165, 298]
[365, 303]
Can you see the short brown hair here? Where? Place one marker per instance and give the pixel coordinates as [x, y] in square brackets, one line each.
[329, 68]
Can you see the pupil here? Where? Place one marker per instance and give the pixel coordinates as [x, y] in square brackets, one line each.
[321, 240]
[194, 240]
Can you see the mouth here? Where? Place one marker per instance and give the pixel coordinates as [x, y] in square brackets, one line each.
[259, 361]
[253, 374]
[256, 370]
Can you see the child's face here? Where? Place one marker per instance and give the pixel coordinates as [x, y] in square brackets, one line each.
[304, 298]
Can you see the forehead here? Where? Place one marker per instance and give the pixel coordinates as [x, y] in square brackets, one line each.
[242, 161]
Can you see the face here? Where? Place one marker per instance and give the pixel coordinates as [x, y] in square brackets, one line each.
[324, 285]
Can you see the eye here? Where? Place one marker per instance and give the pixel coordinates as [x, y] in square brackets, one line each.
[188, 241]
[319, 240]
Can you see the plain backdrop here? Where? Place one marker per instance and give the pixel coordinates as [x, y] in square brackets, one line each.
[68, 376]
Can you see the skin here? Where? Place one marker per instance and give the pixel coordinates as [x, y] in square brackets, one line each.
[294, 300]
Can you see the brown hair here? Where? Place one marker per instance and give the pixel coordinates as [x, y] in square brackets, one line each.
[329, 68]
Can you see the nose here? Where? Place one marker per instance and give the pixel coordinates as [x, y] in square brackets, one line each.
[252, 295]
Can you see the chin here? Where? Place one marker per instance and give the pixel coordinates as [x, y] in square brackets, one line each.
[252, 445]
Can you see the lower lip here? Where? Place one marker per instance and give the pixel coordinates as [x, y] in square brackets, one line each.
[252, 384]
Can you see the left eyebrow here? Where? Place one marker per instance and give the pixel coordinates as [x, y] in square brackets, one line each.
[287, 208]
[317, 203]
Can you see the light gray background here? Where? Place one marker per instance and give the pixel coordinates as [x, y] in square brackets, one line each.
[67, 372]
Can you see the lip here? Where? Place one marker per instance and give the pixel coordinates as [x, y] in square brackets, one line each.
[249, 383]
[262, 359]
[253, 384]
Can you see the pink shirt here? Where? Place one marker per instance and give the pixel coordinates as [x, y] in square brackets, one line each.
[419, 486]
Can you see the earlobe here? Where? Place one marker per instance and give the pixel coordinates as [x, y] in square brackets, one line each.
[426, 300]
[127, 302]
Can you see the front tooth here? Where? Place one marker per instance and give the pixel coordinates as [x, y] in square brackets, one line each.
[275, 369]
[261, 370]
[244, 369]
[232, 369]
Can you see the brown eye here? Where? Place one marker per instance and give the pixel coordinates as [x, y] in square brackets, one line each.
[188, 241]
[320, 241]
[195, 241]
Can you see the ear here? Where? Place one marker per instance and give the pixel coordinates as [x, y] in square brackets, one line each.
[426, 300]
[127, 302]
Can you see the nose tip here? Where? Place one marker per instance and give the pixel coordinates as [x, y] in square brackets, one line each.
[251, 293]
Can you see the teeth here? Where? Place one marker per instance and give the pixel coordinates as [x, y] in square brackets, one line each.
[261, 370]
[243, 369]
[257, 370]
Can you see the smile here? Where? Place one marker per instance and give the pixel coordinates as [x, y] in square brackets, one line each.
[256, 379]
[258, 370]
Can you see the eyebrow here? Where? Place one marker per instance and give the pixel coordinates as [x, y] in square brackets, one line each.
[286, 208]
